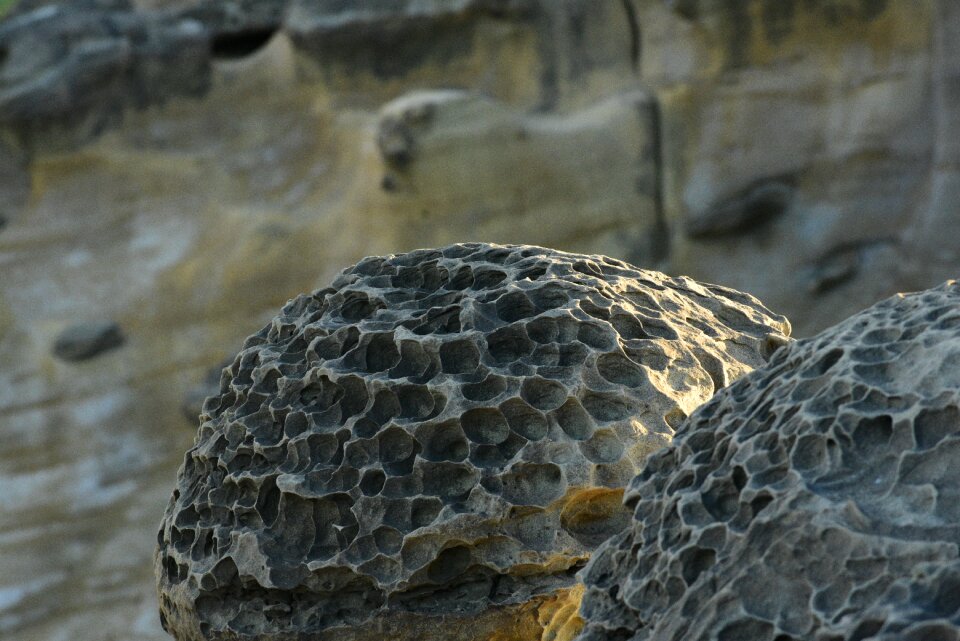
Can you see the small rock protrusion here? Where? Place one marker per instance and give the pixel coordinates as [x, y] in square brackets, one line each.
[756, 205]
[83, 341]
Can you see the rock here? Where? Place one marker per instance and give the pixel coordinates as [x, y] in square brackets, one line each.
[69, 70]
[84, 341]
[752, 207]
[392, 39]
[815, 498]
[439, 436]
[472, 166]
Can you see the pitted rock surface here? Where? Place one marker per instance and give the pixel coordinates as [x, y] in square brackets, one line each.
[816, 498]
[444, 432]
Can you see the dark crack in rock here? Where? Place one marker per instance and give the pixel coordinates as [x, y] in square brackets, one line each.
[441, 433]
[87, 340]
[816, 498]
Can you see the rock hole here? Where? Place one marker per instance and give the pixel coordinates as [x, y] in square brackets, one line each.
[509, 344]
[932, 426]
[365, 428]
[487, 389]
[574, 420]
[388, 540]
[357, 306]
[515, 306]
[628, 327]
[760, 502]
[722, 500]
[549, 297]
[355, 396]
[865, 630]
[413, 360]
[594, 336]
[461, 280]
[695, 561]
[395, 445]
[449, 564]
[524, 420]
[485, 425]
[424, 511]
[459, 357]
[713, 366]
[416, 401]
[543, 330]
[620, 370]
[443, 441]
[487, 278]
[602, 447]
[372, 482]
[607, 407]
[533, 484]
[543, 394]
[592, 516]
[381, 353]
[872, 434]
[825, 363]
[450, 481]
[268, 502]
[746, 629]
[233, 45]
[597, 312]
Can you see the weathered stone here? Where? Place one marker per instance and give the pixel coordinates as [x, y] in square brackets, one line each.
[439, 436]
[815, 498]
[84, 341]
[71, 69]
[752, 207]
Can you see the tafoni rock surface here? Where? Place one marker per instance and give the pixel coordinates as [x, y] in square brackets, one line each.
[815, 499]
[439, 436]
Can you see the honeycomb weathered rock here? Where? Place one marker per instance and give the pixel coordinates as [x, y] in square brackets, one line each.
[817, 498]
[444, 432]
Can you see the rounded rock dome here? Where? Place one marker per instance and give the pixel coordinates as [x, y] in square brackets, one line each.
[442, 432]
[815, 498]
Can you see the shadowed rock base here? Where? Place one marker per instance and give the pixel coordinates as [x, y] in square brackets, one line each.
[550, 617]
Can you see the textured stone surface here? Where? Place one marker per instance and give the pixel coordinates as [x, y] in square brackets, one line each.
[595, 127]
[440, 432]
[817, 498]
[191, 222]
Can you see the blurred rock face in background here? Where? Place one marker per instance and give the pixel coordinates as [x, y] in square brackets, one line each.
[172, 171]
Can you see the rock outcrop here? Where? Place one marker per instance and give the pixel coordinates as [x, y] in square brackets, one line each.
[442, 435]
[184, 167]
[815, 498]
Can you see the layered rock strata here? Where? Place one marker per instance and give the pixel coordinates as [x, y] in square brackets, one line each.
[816, 498]
[442, 435]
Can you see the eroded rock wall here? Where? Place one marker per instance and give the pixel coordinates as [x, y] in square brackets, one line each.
[178, 169]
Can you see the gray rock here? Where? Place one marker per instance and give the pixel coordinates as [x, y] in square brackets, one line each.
[73, 68]
[439, 437]
[392, 37]
[84, 341]
[752, 207]
[815, 498]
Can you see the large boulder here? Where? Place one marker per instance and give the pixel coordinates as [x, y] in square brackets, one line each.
[442, 435]
[815, 499]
